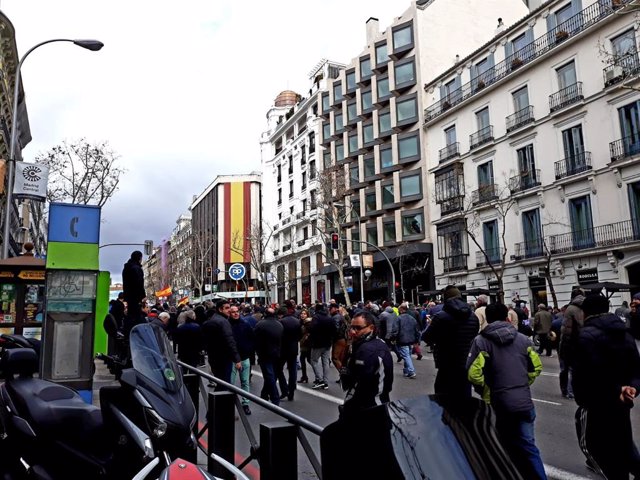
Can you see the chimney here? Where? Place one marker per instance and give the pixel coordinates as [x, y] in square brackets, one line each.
[373, 30]
[500, 28]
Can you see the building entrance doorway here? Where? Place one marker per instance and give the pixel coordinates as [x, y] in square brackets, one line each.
[634, 276]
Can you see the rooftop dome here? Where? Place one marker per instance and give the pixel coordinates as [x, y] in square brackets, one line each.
[286, 99]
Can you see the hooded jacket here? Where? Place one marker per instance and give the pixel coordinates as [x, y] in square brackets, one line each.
[389, 320]
[408, 330]
[606, 359]
[571, 324]
[451, 332]
[502, 364]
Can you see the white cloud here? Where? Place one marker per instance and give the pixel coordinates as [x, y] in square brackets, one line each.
[180, 90]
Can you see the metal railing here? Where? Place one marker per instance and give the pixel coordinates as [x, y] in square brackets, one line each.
[565, 97]
[573, 26]
[455, 263]
[482, 136]
[577, 163]
[621, 68]
[528, 249]
[625, 147]
[520, 118]
[272, 450]
[451, 205]
[493, 257]
[450, 151]
[524, 181]
[486, 193]
[602, 236]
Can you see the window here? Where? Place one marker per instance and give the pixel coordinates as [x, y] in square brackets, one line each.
[370, 202]
[304, 180]
[366, 100]
[326, 131]
[354, 175]
[450, 136]
[355, 209]
[369, 167]
[410, 186]
[279, 196]
[532, 232]
[279, 177]
[382, 55]
[304, 205]
[327, 159]
[482, 73]
[567, 75]
[407, 110]
[339, 152]
[351, 81]
[303, 154]
[352, 112]
[562, 15]
[386, 158]
[412, 224]
[485, 174]
[355, 244]
[450, 91]
[389, 231]
[325, 103]
[491, 242]
[403, 38]
[312, 200]
[519, 42]
[482, 119]
[290, 165]
[365, 67]
[382, 86]
[527, 167]
[353, 143]
[312, 169]
[634, 204]
[405, 73]
[372, 234]
[581, 222]
[337, 92]
[520, 99]
[452, 246]
[291, 189]
[387, 195]
[449, 184]
[624, 44]
[339, 124]
[409, 148]
[367, 133]
[384, 123]
[630, 128]
[575, 156]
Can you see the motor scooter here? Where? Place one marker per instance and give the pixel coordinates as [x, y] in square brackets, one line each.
[48, 432]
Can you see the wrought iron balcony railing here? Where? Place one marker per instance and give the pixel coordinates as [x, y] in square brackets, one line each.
[493, 257]
[625, 147]
[577, 163]
[583, 20]
[455, 263]
[524, 181]
[482, 136]
[565, 97]
[486, 193]
[451, 205]
[520, 118]
[450, 151]
[621, 67]
[528, 249]
[602, 236]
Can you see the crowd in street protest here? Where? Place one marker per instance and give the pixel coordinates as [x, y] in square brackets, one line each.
[485, 346]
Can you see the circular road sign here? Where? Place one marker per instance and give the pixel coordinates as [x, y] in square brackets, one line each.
[237, 271]
[216, 271]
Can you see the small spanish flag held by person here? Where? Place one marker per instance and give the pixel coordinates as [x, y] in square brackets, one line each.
[165, 292]
[183, 301]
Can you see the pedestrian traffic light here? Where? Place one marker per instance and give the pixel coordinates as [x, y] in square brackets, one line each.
[208, 270]
[335, 241]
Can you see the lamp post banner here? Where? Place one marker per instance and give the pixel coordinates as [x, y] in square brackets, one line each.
[31, 181]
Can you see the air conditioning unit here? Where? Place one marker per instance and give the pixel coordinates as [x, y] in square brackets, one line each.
[616, 72]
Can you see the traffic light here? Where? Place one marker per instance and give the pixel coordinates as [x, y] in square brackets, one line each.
[335, 241]
[208, 270]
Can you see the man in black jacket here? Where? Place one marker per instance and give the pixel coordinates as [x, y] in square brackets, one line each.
[243, 334]
[322, 332]
[220, 343]
[268, 336]
[291, 336]
[450, 333]
[606, 380]
[133, 290]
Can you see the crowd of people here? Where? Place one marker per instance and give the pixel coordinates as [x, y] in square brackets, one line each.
[484, 346]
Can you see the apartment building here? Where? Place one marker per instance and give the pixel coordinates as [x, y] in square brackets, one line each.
[371, 115]
[543, 119]
[181, 256]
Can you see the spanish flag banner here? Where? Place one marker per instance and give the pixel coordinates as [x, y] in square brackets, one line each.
[183, 301]
[165, 292]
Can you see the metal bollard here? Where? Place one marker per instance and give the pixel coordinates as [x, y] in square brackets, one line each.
[221, 432]
[278, 451]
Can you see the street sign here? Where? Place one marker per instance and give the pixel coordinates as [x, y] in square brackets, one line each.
[216, 271]
[237, 271]
[207, 287]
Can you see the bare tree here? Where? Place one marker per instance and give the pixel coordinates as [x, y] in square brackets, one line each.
[256, 240]
[202, 243]
[408, 263]
[81, 172]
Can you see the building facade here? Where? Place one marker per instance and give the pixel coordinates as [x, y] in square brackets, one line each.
[224, 218]
[181, 257]
[534, 137]
[371, 116]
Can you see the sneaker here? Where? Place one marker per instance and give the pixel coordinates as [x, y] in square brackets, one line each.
[317, 385]
[247, 410]
[568, 395]
[419, 357]
[412, 375]
[324, 386]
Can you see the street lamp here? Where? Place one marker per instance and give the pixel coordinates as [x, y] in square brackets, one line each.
[339, 204]
[94, 46]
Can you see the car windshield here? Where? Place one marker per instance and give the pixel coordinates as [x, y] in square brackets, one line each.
[152, 356]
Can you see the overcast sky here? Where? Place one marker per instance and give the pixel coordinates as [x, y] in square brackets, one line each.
[180, 90]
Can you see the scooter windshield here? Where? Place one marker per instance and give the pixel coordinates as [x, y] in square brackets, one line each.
[152, 356]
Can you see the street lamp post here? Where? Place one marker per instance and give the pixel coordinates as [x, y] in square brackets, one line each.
[94, 46]
[338, 204]
[393, 273]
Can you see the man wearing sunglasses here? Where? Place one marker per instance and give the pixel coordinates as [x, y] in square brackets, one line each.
[368, 376]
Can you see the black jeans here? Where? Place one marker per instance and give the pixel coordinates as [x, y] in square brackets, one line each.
[305, 357]
[545, 343]
[287, 387]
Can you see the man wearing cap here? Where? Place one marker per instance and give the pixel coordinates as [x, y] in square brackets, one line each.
[606, 381]
[450, 333]
[571, 325]
[221, 344]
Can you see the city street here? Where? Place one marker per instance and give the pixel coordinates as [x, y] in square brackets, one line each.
[555, 431]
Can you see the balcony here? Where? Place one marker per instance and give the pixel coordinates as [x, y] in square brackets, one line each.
[565, 97]
[276, 253]
[286, 248]
[450, 151]
[621, 68]
[301, 243]
[580, 22]
[528, 249]
[520, 119]
[455, 263]
[493, 257]
[625, 147]
[482, 136]
[577, 163]
[286, 221]
[524, 181]
[594, 237]
[486, 193]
